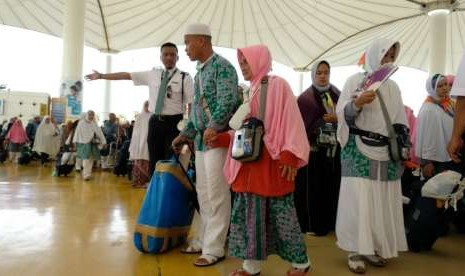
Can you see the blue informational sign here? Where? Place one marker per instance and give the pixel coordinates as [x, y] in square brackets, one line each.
[72, 90]
[59, 110]
[74, 106]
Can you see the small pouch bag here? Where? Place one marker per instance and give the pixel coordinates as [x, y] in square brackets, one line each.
[248, 139]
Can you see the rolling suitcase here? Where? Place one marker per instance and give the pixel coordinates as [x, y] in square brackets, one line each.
[65, 163]
[122, 157]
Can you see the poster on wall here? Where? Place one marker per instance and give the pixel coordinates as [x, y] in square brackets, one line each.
[72, 91]
[2, 106]
[59, 109]
[43, 109]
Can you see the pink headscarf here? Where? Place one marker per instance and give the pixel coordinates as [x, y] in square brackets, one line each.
[412, 125]
[17, 134]
[260, 65]
[284, 127]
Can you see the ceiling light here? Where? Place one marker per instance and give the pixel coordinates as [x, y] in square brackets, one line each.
[438, 11]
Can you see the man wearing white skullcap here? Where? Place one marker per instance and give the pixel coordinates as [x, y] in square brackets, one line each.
[198, 29]
[215, 101]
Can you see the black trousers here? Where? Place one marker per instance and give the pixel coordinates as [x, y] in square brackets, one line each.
[162, 131]
[44, 157]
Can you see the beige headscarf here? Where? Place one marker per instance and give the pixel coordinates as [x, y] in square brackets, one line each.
[47, 139]
[86, 130]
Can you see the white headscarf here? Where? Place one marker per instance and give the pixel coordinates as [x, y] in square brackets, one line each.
[314, 82]
[377, 50]
[434, 126]
[138, 148]
[371, 117]
[47, 139]
[86, 129]
[432, 85]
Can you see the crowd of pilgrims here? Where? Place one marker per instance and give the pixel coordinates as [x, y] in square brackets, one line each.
[347, 186]
[42, 139]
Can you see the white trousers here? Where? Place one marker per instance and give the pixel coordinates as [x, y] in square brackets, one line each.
[196, 232]
[78, 164]
[214, 200]
[87, 164]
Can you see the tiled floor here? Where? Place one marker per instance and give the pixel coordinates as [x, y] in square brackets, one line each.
[64, 226]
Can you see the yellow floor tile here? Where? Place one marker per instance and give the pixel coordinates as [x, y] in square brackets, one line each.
[58, 226]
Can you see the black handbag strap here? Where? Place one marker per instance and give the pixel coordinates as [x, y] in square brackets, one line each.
[183, 75]
[195, 201]
[263, 92]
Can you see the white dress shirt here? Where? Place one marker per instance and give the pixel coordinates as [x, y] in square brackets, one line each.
[174, 103]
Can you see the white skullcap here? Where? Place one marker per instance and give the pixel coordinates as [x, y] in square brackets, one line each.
[198, 29]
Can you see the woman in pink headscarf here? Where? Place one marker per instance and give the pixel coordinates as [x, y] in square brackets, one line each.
[264, 219]
[412, 125]
[413, 164]
[16, 137]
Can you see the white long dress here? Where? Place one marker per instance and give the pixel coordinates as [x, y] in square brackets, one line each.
[138, 149]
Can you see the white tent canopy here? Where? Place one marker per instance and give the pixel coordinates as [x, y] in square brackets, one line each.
[297, 31]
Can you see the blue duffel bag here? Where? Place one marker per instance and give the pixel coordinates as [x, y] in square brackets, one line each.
[167, 210]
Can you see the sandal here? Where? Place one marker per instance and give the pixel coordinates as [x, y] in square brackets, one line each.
[297, 271]
[375, 260]
[191, 250]
[242, 272]
[356, 264]
[208, 260]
